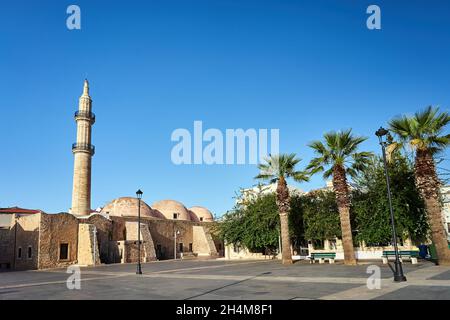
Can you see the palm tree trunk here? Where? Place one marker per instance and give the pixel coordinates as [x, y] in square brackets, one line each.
[343, 202]
[428, 185]
[284, 208]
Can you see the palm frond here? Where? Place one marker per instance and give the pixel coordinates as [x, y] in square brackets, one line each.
[423, 130]
[338, 149]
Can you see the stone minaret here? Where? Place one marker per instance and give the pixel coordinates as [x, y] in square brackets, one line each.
[83, 151]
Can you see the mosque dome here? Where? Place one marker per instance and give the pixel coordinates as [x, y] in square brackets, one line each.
[201, 214]
[172, 209]
[128, 207]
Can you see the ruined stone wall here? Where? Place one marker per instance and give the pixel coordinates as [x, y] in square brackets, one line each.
[27, 241]
[57, 229]
[105, 234]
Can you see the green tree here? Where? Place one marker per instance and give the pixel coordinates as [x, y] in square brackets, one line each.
[296, 223]
[423, 132]
[254, 224]
[320, 215]
[278, 168]
[371, 208]
[338, 153]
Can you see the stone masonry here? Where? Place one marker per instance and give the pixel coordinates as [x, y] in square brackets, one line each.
[83, 151]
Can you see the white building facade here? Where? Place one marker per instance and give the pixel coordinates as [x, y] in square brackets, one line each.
[445, 191]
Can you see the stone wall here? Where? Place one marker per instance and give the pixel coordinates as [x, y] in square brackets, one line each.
[147, 244]
[118, 228]
[233, 252]
[27, 230]
[57, 230]
[212, 229]
[163, 234]
[6, 220]
[6, 248]
[116, 240]
[203, 243]
[88, 246]
[105, 234]
[131, 252]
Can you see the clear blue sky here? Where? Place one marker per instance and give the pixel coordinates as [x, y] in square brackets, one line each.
[305, 67]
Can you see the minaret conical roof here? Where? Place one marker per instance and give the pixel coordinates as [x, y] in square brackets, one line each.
[86, 88]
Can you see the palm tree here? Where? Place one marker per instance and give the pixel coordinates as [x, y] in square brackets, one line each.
[337, 156]
[423, 132]
[278, 168]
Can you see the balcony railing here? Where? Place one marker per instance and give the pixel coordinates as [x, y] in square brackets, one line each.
[85, 114]
[83, 147]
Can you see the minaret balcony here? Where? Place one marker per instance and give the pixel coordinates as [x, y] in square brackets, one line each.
[83, 147]
[85, 115]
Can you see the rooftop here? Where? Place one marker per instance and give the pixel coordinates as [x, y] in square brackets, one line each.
[18, 210]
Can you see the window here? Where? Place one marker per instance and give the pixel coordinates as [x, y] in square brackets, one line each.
[201, 218]
[190, 247]
[175, 215]
[19, 253]
[318, 244]
[29, 252]
[64, 251]
[180, 247]
[332, 244]
[448, 227]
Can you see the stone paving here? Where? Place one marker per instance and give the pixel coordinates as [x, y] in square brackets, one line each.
[226, 280]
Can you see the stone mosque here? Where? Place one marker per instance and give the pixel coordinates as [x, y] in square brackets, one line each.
[33, 239]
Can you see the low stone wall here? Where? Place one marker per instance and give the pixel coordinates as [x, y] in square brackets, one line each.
[244, 254]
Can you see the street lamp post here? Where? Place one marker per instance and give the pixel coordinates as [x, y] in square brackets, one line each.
[398, 270]
[139, 196]
[177, 232]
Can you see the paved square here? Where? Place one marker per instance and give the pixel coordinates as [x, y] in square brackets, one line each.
[225, 280]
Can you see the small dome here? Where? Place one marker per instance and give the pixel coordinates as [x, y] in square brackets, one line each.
[201, 214]
[128, 207]
[170, 208]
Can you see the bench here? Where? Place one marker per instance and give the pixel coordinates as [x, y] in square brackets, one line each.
[322, 256]
[408, 254]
